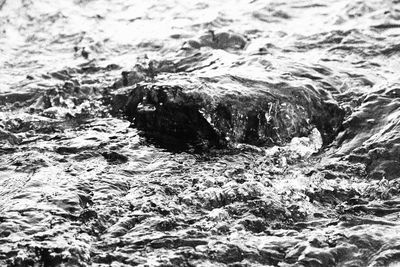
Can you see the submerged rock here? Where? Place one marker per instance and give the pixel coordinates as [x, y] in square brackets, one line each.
[227, 109]
[221, 40]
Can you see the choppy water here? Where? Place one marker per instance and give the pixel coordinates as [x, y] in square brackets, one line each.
[80, 187]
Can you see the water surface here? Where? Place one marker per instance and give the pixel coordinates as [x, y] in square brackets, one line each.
[80, 187]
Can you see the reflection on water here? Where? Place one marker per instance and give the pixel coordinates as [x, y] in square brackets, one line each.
[80, 186]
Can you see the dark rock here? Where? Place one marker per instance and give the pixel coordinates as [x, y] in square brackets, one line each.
[221, 40]
[176, 110]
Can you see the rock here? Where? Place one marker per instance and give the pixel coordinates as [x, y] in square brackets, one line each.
[176, 109]
[221, 40]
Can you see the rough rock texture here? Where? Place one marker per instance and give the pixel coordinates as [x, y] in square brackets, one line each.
[218, 110]
[221, 40]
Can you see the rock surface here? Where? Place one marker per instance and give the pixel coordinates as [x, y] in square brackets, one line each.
[216, 111]
[221, 40]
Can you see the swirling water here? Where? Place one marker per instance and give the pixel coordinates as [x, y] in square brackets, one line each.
[81, 187]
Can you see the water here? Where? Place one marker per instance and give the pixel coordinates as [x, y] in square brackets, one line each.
[81, 187]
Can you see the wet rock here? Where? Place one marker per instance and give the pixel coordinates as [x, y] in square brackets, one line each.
[180, 110]
[221, 40]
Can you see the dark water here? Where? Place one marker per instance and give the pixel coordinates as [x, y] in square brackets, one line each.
[80, 187]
